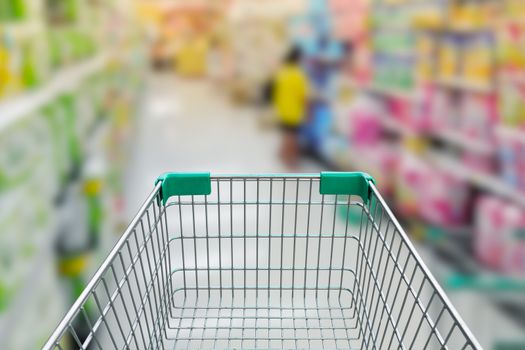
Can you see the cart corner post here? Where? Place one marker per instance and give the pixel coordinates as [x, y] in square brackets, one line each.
[184, 184]
[346, 183]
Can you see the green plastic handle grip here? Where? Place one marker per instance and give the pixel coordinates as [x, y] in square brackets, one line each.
[344, 183]
[184, 184]
[331, 183]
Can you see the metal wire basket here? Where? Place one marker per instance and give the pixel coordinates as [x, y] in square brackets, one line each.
[263, 262]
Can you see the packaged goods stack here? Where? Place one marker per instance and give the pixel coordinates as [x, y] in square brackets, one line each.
[66, 104]
[440, 122]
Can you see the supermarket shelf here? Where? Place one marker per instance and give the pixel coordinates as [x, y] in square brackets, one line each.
[391, 27]
[392, 125]
[458, 271]
[459, 139]
[458, 30]
[511, 133]
[48, 238]
[8, 319]
[403, 54]
[468, 30]
[390, 92]
[372, 88]
[487, 182]
[462, 84]
[17, 108]
[22, 28]
[513, 78]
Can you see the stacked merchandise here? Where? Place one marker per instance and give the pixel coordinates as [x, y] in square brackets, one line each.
[511, 133]
[194, 39]
[191, 38]
[447, 94]
[52, 139]
[500, 235]
[350, 26]
[393, 46]
[365, 133]
[441, 125]
[253, 24]
[40, 40]
[23, 59]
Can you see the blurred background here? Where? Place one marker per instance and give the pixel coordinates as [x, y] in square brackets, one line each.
[99, 97]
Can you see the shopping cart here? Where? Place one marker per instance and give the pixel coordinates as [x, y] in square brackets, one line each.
[263, 262]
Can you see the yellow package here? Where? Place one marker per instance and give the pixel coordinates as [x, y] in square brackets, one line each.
[10, 79]
[448, 60]
[4, 71]
[515, 8]
[192, 58]
[415, 144]
[431, 18]
[425, 48]
[478, 62]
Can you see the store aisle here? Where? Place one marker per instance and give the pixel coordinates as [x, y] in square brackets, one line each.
[189, 125]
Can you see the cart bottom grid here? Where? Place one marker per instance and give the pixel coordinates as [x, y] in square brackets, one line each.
[264, 319]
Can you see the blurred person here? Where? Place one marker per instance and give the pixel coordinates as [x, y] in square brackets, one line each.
[159, 56]
[290, 94]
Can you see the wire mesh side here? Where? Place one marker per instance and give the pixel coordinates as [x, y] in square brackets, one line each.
[399, 304]
[126, 303]
[263, 262]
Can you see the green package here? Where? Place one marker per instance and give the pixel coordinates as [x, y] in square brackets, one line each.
[17, 9]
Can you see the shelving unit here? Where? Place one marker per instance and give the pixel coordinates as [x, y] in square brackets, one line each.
[456, 138]
[468, 86]
[449, 148]
[19, 107]
[486, 182]
[59, 129]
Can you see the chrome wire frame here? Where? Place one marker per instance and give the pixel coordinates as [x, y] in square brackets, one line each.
[264, 262]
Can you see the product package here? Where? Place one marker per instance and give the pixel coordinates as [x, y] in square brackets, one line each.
[478, 63]
[511, 156]
[500, 235]
[512, 104]
[365, 122]
[445, 200]
[411, 182]
[434, 195]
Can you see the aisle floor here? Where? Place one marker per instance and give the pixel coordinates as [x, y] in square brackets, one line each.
[190, 125]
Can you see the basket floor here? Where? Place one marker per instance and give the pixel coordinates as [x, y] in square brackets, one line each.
[262, 319]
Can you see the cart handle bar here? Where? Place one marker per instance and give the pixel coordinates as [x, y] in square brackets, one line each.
[331, 183]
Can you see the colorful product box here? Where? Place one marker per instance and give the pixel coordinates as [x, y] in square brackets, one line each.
[434, 195]
[500, 235]
[511, 156]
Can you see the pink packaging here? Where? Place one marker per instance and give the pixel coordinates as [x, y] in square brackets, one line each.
[401, 110]
[414, 114]
[478, 117]
[434, 195]
[500, 235]
[479, 162]
[441, 111]
[366, 129]
[383, 158]
[365, 123]
[411, 182]
[445, 199]
[422, 110]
